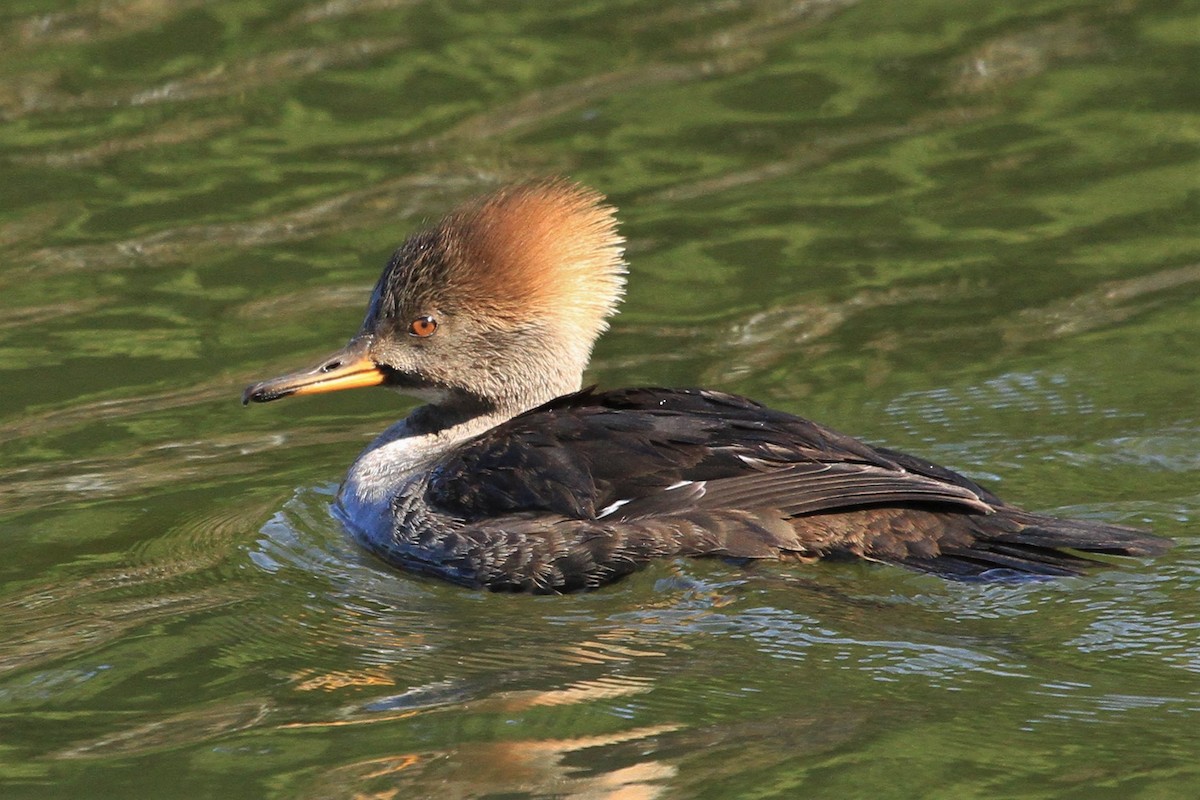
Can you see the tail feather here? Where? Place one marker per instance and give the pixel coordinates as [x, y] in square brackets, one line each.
[1086, 535]
[1013, 543]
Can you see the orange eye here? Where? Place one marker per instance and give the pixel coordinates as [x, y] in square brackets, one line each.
[422, 327]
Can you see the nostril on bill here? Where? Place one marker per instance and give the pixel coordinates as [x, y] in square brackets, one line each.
[331, 366]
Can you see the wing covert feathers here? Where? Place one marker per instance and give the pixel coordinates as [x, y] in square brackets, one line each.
[592, 486]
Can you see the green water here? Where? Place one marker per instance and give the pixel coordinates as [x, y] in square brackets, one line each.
[968, 230]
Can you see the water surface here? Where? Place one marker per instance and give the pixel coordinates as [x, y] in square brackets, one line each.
[965, 230]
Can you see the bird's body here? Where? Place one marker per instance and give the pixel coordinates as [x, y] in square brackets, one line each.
[512, 479]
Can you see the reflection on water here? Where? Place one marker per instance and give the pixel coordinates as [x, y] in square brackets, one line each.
[536, 767]
[962, 231]
[181, 729]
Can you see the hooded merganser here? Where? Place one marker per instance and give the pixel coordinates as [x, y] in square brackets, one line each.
[511, 478]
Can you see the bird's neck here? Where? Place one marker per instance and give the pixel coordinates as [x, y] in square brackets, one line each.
[399, 460]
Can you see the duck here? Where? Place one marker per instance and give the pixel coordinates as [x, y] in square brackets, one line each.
[511, 476]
